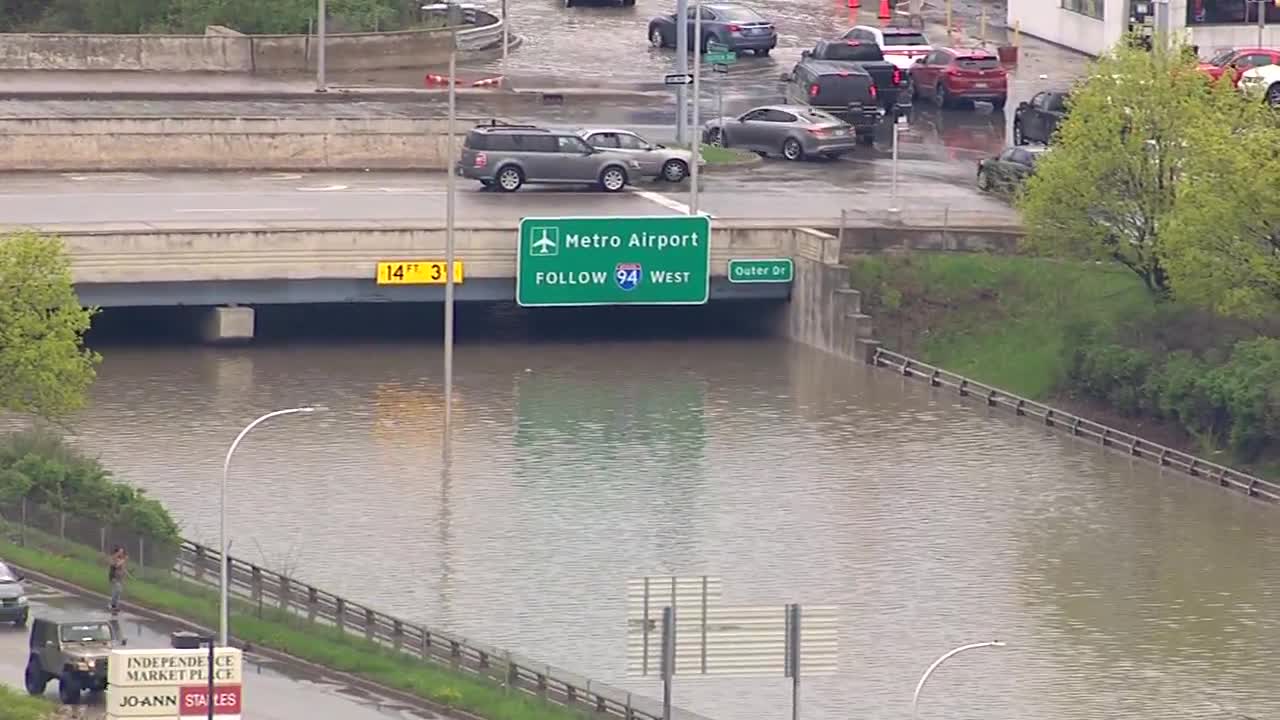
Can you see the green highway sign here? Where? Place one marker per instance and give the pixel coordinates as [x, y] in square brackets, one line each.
[643, 260]
[770, 270]
[720, 58]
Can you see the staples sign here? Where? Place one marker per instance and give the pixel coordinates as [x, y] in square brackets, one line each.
[193, 700]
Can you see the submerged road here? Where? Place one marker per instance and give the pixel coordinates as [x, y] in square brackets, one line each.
[271, 692]
[774, 190]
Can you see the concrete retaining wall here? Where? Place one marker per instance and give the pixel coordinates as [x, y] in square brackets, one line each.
[824, 312]
[139, 144]
[225, 50]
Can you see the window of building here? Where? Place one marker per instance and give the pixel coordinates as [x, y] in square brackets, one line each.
[1229, 12]
[1090, 8]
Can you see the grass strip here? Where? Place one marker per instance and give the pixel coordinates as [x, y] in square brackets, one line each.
[714, 155]
[288, 633]
[15, 705]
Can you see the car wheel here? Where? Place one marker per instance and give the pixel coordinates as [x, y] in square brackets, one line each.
[613, 179]
[674, 171]
[1273, 95]
[716, 137]
[764, 52]
[984, 182]
[34, 678]
[867, 139]
[68, 689]
[510, 178]
[792, 149]
[940, 97]
[998, 103]
[655, 37]
[1018, 138]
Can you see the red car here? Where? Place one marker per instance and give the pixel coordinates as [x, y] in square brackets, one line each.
[1238, 61]
[950, 76]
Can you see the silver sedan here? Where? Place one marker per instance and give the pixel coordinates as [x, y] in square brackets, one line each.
[655, 161]
[792, 131]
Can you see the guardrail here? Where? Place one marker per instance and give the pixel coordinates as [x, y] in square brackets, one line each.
[486, 33]
[268, 590]
[1080, 427]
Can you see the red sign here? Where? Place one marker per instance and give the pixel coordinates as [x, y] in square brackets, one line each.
[193, 700]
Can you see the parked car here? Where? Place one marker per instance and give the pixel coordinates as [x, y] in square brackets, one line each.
[1037, 120]
[950, 76]
[1005, 173]
[619, 3]
[901, 46]
[13, 597]
[846, 92]
[736, 27]
[506, 157]
[792, 131]
[655, 161]
[863, 56]
[74, 653]
[1235, 62]
[1262, 82]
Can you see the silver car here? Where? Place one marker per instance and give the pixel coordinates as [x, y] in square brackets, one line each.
[792, 131]
[13, 597]
[505, 157]
[655, 161]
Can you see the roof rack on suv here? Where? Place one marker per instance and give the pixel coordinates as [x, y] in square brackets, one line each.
[496, 123]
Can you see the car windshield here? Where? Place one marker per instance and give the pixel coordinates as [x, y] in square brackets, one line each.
[1222, 58]
[7, 575]
[977, 63]
[735, 13]
[818, 117]
[89, 632]
[904, 39]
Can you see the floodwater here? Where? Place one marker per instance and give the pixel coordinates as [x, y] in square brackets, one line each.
[1122, 592]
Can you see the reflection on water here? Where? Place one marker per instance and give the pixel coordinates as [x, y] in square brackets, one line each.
[793, 476]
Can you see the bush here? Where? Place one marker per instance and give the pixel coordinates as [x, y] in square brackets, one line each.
[41, 468]
[1114, 374]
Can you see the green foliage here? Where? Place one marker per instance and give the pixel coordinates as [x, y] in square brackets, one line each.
[42, 468]
[16, 705]
[324, 645]
[1234, 405]
[1107, 188]
[45, 370]
[192, 16]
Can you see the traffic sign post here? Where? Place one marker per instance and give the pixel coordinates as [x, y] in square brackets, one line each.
[643, 260]
[763, 270]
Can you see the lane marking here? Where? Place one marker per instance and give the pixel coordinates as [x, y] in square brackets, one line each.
[279, 176]
[240, 210]
[662, 200]
[324, 188]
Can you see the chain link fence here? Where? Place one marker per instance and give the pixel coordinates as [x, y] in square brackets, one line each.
[28, 524]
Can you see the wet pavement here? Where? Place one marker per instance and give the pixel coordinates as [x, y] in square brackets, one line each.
[271, 691]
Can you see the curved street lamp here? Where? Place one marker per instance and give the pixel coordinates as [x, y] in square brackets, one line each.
[915, 699]
[223, 561]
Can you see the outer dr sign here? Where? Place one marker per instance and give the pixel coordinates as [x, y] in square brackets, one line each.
[644, 260]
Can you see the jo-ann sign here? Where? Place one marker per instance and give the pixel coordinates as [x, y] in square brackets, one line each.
[163, 683]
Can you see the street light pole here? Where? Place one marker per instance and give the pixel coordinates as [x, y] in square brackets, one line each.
[915, 699]
[682, 67]
[321, 86]
[695, 132]
[222, 517]
[505, 34]
[448, 253]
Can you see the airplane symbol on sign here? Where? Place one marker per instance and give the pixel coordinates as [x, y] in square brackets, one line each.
[548, 242]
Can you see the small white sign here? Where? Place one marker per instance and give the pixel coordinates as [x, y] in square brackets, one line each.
[678, 79]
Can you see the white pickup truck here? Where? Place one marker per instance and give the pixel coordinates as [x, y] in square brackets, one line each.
[901, 46]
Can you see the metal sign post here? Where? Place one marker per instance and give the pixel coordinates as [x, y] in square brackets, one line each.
[696, 140]
[321, 85]
[668, 658]
[793, 657]
[682, 67]
[898, 121]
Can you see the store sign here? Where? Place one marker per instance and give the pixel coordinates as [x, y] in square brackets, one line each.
[160, 684]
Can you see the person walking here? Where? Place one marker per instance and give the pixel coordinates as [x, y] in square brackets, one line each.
[117, 571]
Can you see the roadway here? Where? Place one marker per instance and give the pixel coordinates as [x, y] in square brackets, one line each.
[271, 692]
[774, 190]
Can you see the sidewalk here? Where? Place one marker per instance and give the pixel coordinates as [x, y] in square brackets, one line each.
[272, 691]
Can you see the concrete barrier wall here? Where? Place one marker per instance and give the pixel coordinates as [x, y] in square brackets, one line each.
[139, 144]
[157, 252]
[224, 50]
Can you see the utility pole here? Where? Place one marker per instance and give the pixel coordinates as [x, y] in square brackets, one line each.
[321, 86]
[696, 130]
[682, 67]
[505, 34]
[449, 251]
[1262, 19]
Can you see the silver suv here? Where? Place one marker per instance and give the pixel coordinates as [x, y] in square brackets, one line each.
[508, 156]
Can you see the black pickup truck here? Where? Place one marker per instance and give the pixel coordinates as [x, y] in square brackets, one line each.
[868, 57]
[847, 92]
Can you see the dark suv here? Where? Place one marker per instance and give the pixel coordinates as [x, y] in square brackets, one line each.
[508, 156]
[75, 653]
[847, 92]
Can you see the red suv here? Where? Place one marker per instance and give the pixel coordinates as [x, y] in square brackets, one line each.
[956, 75]
[1238, 61]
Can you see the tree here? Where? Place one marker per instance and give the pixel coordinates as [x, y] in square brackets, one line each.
[1222, 248]
[45, 370]
[1106, 189]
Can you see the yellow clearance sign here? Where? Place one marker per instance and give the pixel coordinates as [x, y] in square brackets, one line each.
[416, 272]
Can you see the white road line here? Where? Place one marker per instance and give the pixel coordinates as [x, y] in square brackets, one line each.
[242, 210]
[325, 188]
[662, 200]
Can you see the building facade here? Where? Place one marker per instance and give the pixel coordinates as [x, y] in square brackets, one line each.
[1093, 26]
